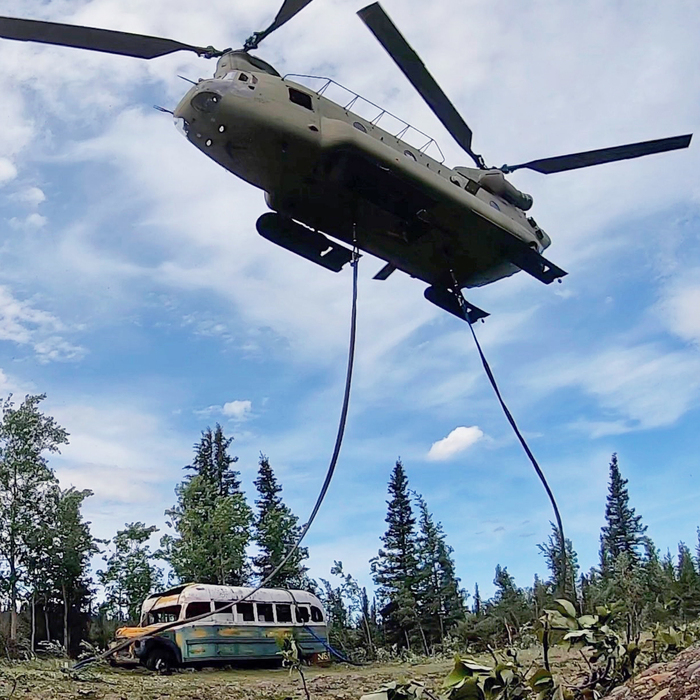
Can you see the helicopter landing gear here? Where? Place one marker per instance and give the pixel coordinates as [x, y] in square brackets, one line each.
[447, 299]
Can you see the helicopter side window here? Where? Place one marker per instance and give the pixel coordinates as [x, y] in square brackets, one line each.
[243, 78]
[300, 98]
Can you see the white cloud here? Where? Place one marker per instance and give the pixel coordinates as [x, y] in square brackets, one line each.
[637, 387]
[56, 349]
[457, 441]
[237, 410]
[30, 196]
[120, 451]
[22, 323]
[7, 171]
[33, 221]
[681, 308]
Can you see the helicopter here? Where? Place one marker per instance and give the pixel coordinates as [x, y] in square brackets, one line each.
[337, 183]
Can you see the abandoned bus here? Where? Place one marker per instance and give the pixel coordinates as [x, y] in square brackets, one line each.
[250, 630]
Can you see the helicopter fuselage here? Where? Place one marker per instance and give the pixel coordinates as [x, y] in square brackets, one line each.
[337, 173]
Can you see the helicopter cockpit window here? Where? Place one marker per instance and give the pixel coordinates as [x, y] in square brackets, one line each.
[206, 102]
[243, 77]
[300, 98]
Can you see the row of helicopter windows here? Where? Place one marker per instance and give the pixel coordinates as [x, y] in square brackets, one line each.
[302, 99]
[361, 127]
[242, 77]
[250, 612]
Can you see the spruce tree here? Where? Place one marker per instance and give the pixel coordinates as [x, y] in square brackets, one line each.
[509, 604]
[395, 568]
[211, 519]
[440, 600]
[657, 589]
[276, 531]
[477, 605]
[623, 531]
[687, 585]
[213, 462]
[563, 578]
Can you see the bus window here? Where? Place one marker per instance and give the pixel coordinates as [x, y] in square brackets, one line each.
[284, 613]
[245, 612]
[169, 614]
[198, 608]
[219, 604]
[316, 614]
[265, 612]
[302, 614]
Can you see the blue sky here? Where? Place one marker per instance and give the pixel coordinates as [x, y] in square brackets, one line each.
[135, 292]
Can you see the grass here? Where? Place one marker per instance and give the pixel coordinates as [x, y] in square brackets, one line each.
[53, 680]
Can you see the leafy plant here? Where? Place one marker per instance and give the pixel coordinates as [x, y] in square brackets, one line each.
[397, 690]
[608, 659]
[292, 659]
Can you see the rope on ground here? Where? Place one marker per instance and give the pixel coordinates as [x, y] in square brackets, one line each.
[511, 420]
[324, 489]
[329, 648]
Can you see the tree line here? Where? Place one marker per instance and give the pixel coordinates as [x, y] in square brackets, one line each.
[49, 591]
[47, 587]
[420, 606]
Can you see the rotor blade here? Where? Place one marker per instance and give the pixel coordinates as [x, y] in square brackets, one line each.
[288, 10]
[106, 40]
[412, 67]
[585, 159]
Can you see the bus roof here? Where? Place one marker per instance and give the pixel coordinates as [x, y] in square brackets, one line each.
[189, 592]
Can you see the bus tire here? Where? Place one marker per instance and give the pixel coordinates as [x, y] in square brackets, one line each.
[160, 660]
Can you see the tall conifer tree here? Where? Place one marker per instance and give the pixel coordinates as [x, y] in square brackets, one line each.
[212, 518]
[276, 531]
[395, 568]
[440, 600]
[563, 570]
[623, 530]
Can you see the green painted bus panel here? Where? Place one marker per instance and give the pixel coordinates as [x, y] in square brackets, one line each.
[212, 642]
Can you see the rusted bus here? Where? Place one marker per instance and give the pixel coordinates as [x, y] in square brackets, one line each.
[237, 627]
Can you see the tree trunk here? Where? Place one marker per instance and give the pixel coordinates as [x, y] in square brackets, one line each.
[66, 640]
[33, 637]
[13, 598]
[46, 620]
[370, 646]
[425, 641]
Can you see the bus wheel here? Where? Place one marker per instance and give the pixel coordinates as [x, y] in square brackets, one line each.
[160, 660]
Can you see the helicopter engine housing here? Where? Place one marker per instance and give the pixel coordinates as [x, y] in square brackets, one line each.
[494, 182]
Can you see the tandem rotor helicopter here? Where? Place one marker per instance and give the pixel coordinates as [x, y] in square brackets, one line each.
[327, 172]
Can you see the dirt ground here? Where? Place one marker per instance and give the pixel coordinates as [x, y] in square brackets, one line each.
[46, 681]
[678, 679]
